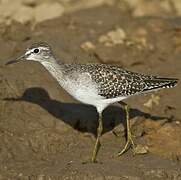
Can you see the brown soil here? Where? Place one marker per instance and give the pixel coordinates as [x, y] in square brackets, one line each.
[45, 134]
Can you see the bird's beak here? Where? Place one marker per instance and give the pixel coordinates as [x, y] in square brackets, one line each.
[16, 60]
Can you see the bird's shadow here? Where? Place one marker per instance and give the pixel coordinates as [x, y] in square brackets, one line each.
[80, 116]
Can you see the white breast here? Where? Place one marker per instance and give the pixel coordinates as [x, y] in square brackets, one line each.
[82, 88]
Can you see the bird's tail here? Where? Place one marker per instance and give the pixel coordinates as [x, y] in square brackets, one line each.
[158, 83]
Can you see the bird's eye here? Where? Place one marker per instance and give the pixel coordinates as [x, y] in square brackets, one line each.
[36, 50]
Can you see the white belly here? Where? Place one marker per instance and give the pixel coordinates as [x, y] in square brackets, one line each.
[87, 93]
[84, 91]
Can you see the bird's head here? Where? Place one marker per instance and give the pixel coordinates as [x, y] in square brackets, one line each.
[40, 52]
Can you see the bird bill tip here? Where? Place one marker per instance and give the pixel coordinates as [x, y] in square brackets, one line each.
[11, 62]
[15, 60]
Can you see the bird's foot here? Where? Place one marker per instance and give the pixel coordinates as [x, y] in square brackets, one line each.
[129, 143]
[137, 149]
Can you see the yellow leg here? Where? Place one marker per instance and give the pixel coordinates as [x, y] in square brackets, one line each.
[97, 144]
[129, 140]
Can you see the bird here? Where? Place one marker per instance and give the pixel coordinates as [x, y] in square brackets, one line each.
[99, 85]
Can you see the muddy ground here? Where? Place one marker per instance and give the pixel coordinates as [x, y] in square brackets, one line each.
[46, 134]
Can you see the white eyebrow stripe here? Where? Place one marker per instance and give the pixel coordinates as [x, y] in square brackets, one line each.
[29, 52]
[43, 48]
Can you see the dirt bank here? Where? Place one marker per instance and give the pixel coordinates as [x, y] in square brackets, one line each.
[45, 134]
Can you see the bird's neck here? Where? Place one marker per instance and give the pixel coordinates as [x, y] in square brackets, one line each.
[54, 68]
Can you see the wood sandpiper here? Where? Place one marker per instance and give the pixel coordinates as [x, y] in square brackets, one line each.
[97, 84]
